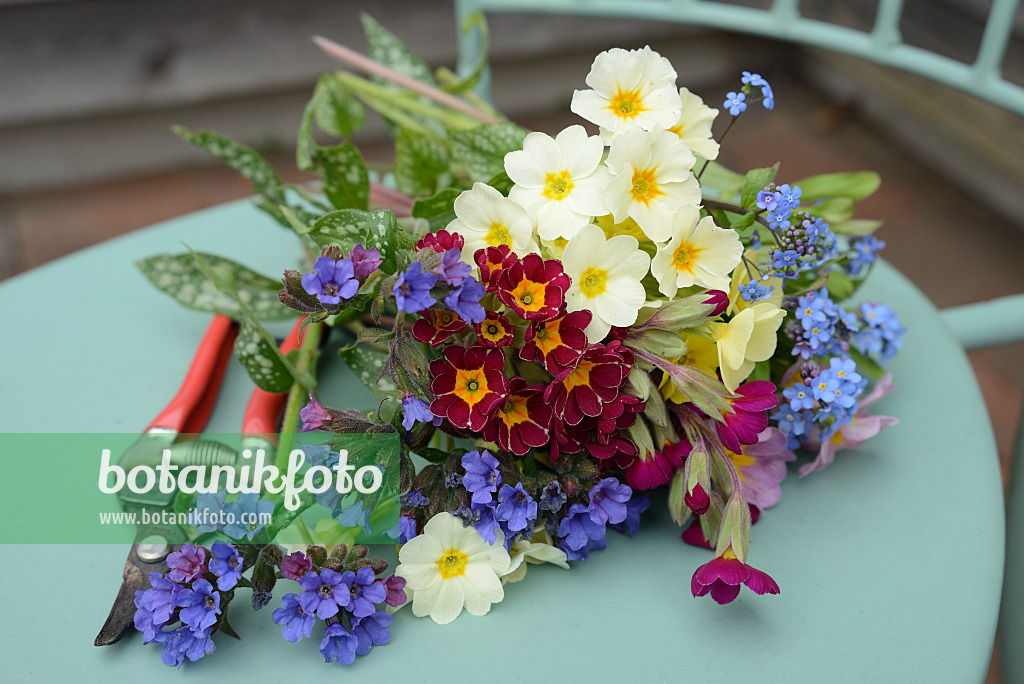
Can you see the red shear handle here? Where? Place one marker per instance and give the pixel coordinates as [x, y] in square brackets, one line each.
[263, 411]
[191, 406]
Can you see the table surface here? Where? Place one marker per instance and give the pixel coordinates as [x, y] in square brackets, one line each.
[890, 561]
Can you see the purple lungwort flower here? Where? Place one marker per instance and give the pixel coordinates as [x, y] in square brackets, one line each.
[199, 605]
[295, 622]
[465, 301]
[552, 498]
[226, 564]
[325, 593]
[579, 528]
[371, 630]
[516, 507]
[364, 260]
[482, 477]
[395, 587]
[187, 563]
[154, 606]
[413, 499]
[364, 590]
[637, 504]
[412, 289]
[417, 411]
[295, 565]
[184, 643]
[608, 501]
[451, 270]
[331, 281]
[314, 416]
[338, 645]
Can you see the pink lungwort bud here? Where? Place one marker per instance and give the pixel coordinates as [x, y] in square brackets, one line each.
[697, 500]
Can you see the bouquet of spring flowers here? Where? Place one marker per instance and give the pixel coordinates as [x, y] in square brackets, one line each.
[554, 327]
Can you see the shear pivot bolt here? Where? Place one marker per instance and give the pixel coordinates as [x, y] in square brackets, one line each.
[152, 549]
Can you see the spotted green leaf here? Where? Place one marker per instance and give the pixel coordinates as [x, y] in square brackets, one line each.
[242, 158]
[261, 360]
[179, 276]
[335, 110]
[421, 164]
[348, 227]
[387, 49]
[366, 363]
[345, 180]
[482, 150]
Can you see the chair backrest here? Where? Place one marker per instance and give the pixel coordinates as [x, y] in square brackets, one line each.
[883, 44]
[979, 325]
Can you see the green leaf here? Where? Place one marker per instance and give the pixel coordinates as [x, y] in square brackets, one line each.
[479, 21]
[856, 227]
[348, 227]
[382, 234]
[262, 360]
[179, 276]
[306, 147]
[345, 180]
[502, 183]
[366, 363]
[840, 285]
[855, 185]
[718, 182]
[335, 110]
[382, 449]
[744, 221]
[387, 49]
[243, 159]
[834, 210]
[866, 366]
[756, 180]
[421, 164]
[482, 150]
[439, 210]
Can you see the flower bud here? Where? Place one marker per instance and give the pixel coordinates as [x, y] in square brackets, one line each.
[264, 576]
[340, 551]
[273, 554]
[260, 599]
[719, 299]
[378, 565]
[697, 500]
[317, 554]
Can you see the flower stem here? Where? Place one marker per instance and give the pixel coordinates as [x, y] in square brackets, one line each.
[296, 396]
[368, 65]
[304, 531]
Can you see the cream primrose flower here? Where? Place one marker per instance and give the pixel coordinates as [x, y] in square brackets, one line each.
[651, 181]
[748, 338]
[694, 126]
[632, 90]
[699, 253]
[450, 567]
[606, 277]
[537, 550]
[486, 218]
[560, 181]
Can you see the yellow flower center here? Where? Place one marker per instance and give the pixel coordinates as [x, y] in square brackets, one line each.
[626, 105]
[498, 235]
[557, 186]
[470, 385]
[514, 412]
[452, 563]
[684, 257]
[678, 129]
[493, 331]
[548, 338]
[645, 187]
[529, 294]
[593, 282]
[579, 377]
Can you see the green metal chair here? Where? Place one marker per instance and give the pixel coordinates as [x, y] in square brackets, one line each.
[976, 326]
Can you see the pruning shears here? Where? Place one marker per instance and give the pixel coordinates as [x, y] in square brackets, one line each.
[185, 415]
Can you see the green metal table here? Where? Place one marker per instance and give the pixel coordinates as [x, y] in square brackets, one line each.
[890, 561]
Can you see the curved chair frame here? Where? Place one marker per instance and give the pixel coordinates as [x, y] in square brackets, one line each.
[976, 326]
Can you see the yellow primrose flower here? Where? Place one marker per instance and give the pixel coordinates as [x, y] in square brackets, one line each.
[702, 354]
[698, 253]
[631, 90]
[486, 218]
[450, 567]
[560, 181]
[651, 180]
[748, 338]
[537, 550]
[606, 277]
[694, 126]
